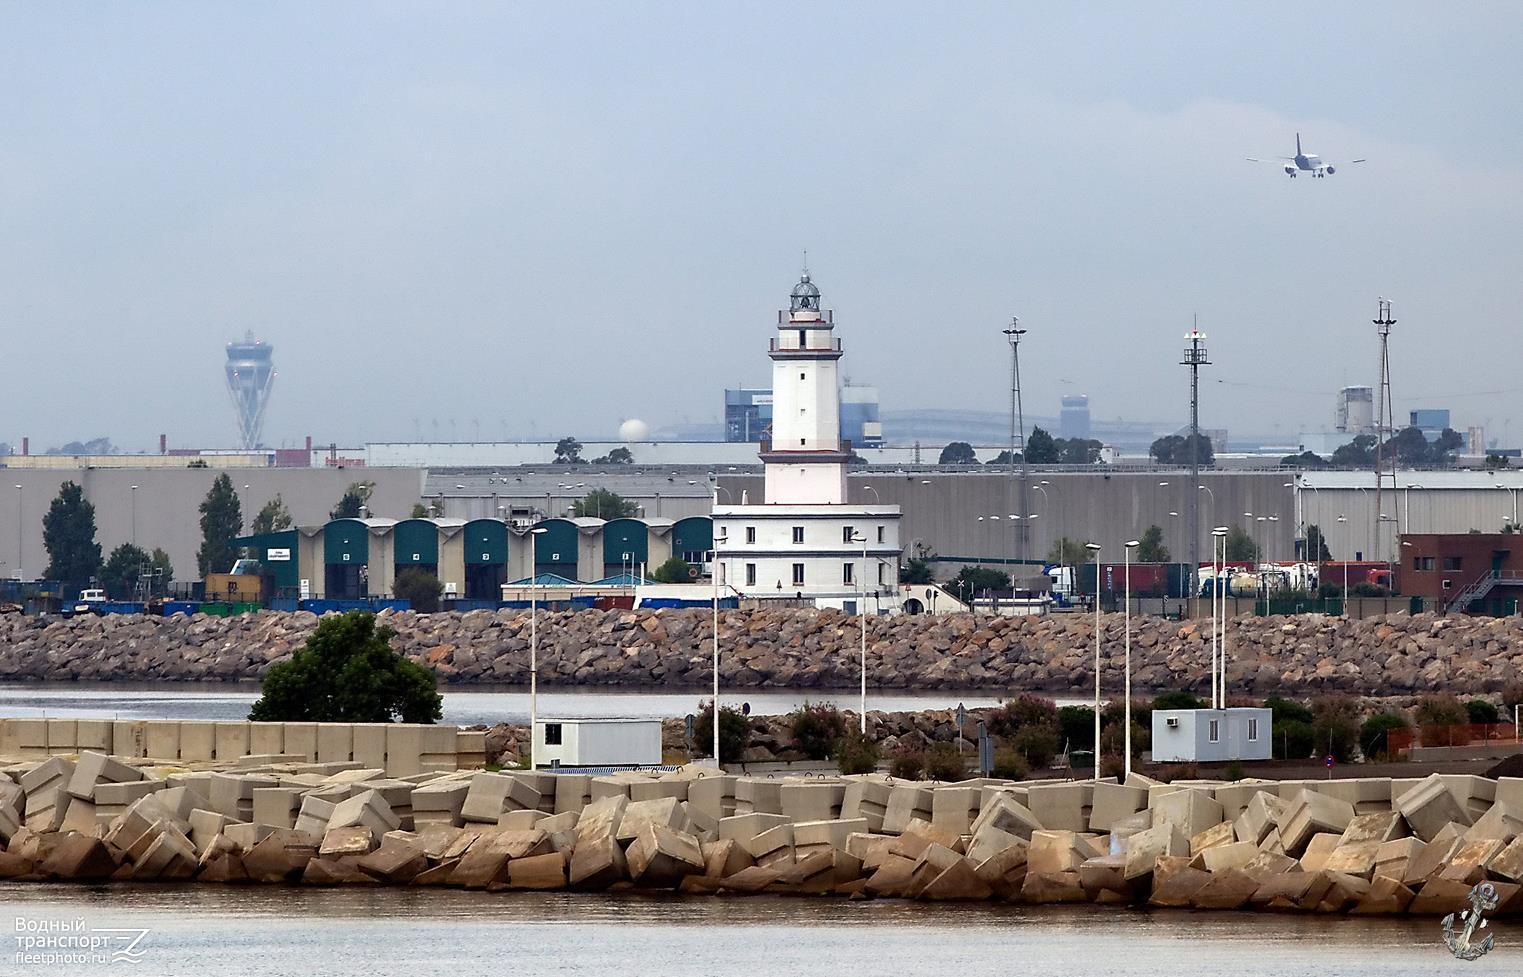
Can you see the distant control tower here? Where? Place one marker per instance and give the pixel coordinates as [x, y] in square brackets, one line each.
[250, 374]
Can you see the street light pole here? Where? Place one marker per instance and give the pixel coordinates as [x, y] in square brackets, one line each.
[534, 535]
[1094, 550]
[19, 575]
[1127, 572]
[1343, 519]
[714, 576]
[861, 537]
[1218, 605]
[134, 515]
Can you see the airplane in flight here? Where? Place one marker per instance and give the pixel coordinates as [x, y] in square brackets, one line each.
[1302, 162]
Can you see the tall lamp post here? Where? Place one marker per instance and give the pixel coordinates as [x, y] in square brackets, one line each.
[1094, 554]
[1127, 572]
[1343, 519]
[714, 575]
[534, 535]
[1218, 631]
[134, 515]
[861, 537]
[19, 575]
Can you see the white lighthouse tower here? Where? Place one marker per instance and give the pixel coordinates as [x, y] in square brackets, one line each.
[803, 541]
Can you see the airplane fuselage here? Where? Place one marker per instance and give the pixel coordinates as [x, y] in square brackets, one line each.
[1307, 163]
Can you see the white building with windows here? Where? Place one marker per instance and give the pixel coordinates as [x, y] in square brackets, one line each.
[803, 541]
[1211, 735]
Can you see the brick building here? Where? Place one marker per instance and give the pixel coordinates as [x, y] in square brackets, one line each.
[1475, 572]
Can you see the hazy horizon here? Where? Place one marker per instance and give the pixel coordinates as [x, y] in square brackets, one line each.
[540, 221]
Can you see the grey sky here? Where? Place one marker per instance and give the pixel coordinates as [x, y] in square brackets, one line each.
[550, 218]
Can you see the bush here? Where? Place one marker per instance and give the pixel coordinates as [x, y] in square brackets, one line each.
[943, 762]
[1294, 739]
[857, 753]
[1178, 771]
[419, 587]
[1113, 741]
[1038, 744]
[1010, 765]
[1440, 709]
[1178, 700]
[1234, 771]
[1335, 726]
[817, 729]
[907, 765]
[1482, 712]
[1076, 724]
[1287, 709]
[347, 672]
[1023, 710]
[1372, 735]
[734, 733]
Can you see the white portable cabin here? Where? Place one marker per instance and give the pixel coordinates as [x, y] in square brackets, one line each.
[1211, 735]
[597, 742]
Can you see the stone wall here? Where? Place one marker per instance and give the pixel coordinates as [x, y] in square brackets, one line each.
[802, 649]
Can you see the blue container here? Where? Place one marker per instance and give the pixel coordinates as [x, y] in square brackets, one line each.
[186, 607]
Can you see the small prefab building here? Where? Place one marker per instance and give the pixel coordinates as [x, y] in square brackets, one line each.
[597, 742]
[1211, 735]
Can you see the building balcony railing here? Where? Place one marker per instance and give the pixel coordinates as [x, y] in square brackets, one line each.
[773, 346]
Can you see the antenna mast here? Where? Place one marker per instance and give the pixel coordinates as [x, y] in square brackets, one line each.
[1018, 443]
[1195, 357]
[1385, 420]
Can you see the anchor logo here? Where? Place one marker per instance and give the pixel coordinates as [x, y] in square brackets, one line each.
[1483, 899]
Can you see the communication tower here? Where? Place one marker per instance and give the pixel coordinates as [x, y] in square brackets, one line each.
[1195, 357]
[250, 374]
[1385, 420]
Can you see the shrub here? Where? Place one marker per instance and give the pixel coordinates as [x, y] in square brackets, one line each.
[1178, 700]
[1178, 771]
[1023, 710]
[817, 729]
[1038, 744]
[734, 733]
[419, 587]
[1482, 712]
[857, 753]
[1335, 726]
[1234, 771]
[1287, 709]
[1113, 741]
[347, 672]
[1372, 735]
[943, 762]
[1010, 765]
[907, 765]
[1076, 724]
[1294, 740]
[1440, 709]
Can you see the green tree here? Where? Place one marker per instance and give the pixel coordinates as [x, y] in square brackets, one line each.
[603, 504]
[353, 501]
[347, 672]
[272, 517]
[975, 580]
[221, 523]
[1358, 453]
[1306, 459]
[68, 532]
[1079, 451]
[1316, 544]
[618, 456]
[1070, 553]
[1240, 546]
[1174, 449]
[957, 453]
[1041, 449]
[1495, 460]
[120, 574]
[1335, 726]
[164, 572]
[419, 511]
[817, 729]
[1150, 548]
[734, 733]
[673, 570]
[917, 570]
[1373, 735]
[421, 588]
[568, 451]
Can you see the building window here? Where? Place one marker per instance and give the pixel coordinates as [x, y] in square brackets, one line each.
[751, 534]
[798, 534]
[847, 532]
[882, 573]
[1253, 730]
[1453, 563]
[750, 574]
[880, 534]
[1422, 563]
[1215, 731]
[802, 377]
[802, 341]
[848, 573]
[552, 734]
[798, 574]
[694, 557]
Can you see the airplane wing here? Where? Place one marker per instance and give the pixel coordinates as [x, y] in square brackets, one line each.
[1272, 159]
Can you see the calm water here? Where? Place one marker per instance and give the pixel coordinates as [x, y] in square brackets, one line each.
[207, 930]
[123, 700]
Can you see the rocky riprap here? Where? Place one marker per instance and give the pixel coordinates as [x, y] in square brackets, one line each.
[802, 649]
